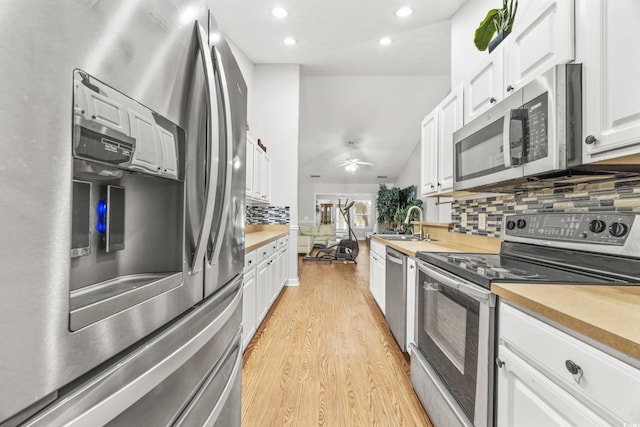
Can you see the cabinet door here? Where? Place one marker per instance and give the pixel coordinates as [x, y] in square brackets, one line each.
[429, 154]
[611, 70]
[544, 39]
[526, 398]
[273, 278]
[484, 87]
[249, 166]
[449, 120]
[411, 301]
[381, 283]
[249, 308]
[262, 290]
[266, 178]
[258, 161]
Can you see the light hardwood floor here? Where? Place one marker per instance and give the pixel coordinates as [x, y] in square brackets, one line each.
[324, 356]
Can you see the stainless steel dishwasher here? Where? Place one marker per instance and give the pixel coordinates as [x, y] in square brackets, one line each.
[396, 296]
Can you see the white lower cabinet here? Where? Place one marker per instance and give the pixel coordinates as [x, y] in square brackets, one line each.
[377, 270]
[546, 377]
[265, 273]
[411, 301]
[249, 307]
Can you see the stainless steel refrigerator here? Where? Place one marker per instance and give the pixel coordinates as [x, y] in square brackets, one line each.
[122, 209]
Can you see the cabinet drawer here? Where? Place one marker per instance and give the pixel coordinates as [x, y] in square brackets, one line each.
[283, 242]
[607, 383]
[263, 253]
[379, 249]
[249, 261]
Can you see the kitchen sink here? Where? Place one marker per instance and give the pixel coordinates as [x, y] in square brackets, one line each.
[406, 237]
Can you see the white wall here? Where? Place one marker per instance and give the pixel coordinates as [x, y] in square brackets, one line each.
[276, 107]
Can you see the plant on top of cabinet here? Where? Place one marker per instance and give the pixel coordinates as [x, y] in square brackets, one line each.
[497, 21]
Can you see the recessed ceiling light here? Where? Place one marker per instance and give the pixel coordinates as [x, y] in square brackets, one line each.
[290, 41]
[279, 12]
[385, 41]
[403, 12]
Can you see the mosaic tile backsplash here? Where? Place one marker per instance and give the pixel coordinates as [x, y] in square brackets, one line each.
[622, 196]
[267, 214]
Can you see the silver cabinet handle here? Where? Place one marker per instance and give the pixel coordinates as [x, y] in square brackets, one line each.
[499, 363]
[209, 202]
[493, 100]
[510, 88]
[574, 369]
[590, 140]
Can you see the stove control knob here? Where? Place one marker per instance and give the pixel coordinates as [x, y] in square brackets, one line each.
[618, 229]
[511, 225]
[521, 223]
[597, 226]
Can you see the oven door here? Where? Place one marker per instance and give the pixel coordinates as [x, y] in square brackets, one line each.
[454, 334]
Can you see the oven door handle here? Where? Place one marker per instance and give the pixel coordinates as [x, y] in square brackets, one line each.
[474, 291]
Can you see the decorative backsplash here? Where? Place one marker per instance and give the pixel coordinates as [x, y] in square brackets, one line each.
[622, 196]
[267, 214]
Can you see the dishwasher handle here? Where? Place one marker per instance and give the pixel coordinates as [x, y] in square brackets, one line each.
[394, 259]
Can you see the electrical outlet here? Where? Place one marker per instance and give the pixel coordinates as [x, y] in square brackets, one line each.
[482, 221]
[463, 220]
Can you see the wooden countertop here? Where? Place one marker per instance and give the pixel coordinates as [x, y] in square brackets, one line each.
[608, 314]
[411, 247]
[258, 236]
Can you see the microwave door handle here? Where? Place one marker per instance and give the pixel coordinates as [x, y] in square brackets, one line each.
[506, 140]
[212, 109]
[222, 214]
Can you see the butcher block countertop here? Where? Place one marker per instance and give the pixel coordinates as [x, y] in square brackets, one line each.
[608, 314]
[259, 235]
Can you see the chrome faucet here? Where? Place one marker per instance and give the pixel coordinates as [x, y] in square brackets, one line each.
[406, 220]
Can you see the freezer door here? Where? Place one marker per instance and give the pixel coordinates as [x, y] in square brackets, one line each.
[193, 362]
[225, 253]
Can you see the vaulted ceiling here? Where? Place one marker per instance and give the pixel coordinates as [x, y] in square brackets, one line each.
[352, 88]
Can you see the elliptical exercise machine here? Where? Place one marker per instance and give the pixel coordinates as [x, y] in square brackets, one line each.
[346, 249]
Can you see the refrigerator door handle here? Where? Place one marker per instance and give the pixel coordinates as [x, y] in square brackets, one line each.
[209, 203]
[222, 214]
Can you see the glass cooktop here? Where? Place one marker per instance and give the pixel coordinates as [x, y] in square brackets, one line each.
[483, 269]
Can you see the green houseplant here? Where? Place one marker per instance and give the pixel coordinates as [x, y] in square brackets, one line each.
[498, 21]
[387, 204]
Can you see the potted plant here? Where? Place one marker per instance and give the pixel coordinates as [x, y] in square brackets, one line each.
[387, 205]
[498, 21]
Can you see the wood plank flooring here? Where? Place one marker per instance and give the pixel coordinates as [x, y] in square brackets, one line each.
[324, 356]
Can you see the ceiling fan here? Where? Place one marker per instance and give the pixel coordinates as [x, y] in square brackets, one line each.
[351, 164]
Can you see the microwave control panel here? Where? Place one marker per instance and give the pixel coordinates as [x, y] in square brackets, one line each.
[596, 228]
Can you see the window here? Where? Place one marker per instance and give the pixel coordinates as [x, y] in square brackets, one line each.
[361, 213]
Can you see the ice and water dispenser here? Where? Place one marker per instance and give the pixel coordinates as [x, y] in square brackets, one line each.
[127, 202]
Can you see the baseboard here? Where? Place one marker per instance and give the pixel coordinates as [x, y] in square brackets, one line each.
[293, 282]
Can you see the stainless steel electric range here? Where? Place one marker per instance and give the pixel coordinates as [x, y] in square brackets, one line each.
[452, 369]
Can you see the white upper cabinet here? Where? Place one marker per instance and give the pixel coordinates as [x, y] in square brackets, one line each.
[249, 165]
[429, 154]
[449, 120]
[544, 37]
[258, 173]
[484, 87]
[437, 144]
[611, 68]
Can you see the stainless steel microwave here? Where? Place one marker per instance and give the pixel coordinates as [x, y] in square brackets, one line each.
[535, 131]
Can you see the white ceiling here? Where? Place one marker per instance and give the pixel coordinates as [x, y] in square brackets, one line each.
[342, 94]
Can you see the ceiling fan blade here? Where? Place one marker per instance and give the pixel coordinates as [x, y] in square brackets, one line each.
[365, 163]
[343, 164]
